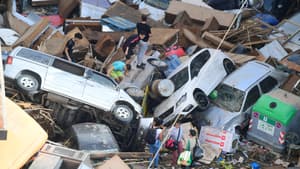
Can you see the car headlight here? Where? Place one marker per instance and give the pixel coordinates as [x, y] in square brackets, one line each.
[181, 100]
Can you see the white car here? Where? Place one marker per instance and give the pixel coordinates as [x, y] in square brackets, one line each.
[34, 72]
[237, 94]
[194, 80]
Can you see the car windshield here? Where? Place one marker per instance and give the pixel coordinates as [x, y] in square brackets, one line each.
[229, 98]
[180, 78]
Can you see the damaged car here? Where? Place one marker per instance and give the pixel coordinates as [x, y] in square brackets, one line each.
[75, 93]
[231, 109]
[194, 80]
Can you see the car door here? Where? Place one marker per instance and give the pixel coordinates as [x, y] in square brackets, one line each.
[65, 78]
[100, 90]
[252, 96]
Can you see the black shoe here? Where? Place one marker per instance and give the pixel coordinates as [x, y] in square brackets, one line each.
[140, 66]
[143, 64]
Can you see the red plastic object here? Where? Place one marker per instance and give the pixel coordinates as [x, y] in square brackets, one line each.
[175, 50]
[55, 20]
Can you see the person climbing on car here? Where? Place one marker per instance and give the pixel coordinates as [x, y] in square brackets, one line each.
[117, 70]
[68, 51]
[144, 42]
[130, 43]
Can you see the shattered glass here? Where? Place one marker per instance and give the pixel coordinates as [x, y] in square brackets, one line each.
[229, 98]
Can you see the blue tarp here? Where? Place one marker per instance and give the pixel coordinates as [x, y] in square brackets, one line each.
[118, 23]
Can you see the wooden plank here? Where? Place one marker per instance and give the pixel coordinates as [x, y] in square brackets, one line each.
[66, 7]
[43, 2]
[121, 9]
[240, 59]
[199, 13]
[193, 38]
[122, 155]
[96, 35]
[216, 40]
[32, 34]
[160, 36]
[17, 24]
[290, 82]
[210, 24]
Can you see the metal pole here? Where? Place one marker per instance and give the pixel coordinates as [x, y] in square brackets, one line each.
[3, 131]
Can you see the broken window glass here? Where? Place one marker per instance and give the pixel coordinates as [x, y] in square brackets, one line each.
[229, 98]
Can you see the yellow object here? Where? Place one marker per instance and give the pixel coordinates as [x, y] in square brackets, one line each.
[144, 103]
[24, 137]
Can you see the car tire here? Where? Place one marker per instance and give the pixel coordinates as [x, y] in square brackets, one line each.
[201, 99]
[159, 64]
[123, 113]
[292, 138]
[228, 66]
[28, 83]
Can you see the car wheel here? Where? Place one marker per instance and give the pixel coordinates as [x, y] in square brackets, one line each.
[28, 83]
[159, 64]
[228, 66]
[123, 113]
[201, 99]
[292, 138]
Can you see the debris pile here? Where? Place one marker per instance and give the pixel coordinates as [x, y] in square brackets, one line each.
[229, 70]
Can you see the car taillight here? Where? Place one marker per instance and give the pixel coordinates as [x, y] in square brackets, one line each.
[9, 60]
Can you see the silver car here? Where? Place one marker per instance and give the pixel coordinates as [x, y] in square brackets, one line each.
[34, 71]
[238, 92]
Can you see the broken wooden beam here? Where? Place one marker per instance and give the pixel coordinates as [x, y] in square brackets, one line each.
[122, 155]
[240, 59]
[197, 41]
[216, 40]
[210, 24]
[32, 34]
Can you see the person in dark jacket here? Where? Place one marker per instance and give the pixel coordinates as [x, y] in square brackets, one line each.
[130, 43]
[143, 27]
[68, 51]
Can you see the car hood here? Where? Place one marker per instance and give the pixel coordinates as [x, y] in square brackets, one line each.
[221, 118]
[170, 101]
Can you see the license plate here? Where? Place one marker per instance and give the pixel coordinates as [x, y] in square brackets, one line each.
[265, 127]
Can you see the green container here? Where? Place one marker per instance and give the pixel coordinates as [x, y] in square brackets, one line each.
[275, 110]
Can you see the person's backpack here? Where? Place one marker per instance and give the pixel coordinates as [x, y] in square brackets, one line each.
[151, 136]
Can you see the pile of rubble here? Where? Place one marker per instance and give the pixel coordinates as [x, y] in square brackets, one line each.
[190, 43]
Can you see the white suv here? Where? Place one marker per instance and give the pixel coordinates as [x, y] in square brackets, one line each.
[194, 80]
[34, 71]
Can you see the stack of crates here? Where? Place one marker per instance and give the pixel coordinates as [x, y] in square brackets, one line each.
[275, 120]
